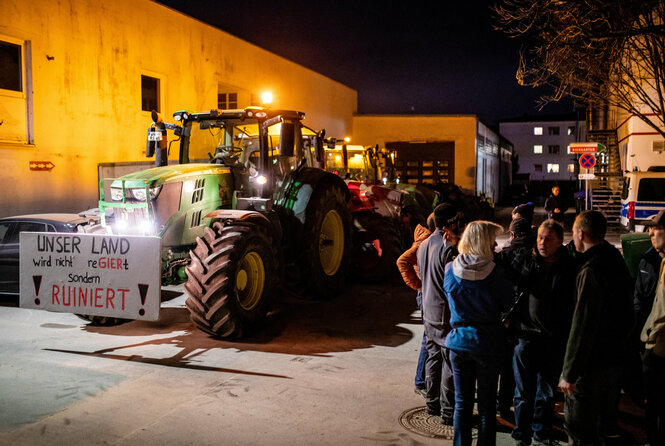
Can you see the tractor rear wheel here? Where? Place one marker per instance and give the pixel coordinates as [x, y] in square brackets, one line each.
[376, 247]
[231, 279]
[324, 263]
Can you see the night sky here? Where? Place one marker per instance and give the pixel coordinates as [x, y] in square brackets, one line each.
[402, 57]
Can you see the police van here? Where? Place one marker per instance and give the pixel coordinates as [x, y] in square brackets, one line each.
[642, 196]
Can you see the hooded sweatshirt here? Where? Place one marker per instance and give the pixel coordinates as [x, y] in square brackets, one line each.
[478, 294]
[408, 261]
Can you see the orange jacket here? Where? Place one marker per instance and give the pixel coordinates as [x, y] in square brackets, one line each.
[408, 261]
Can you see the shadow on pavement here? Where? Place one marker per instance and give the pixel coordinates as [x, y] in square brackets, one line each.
[363, 316]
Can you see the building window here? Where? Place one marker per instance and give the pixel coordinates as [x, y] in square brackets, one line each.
[552, 168]
[537, 130]
[571, 168]
[227, 101]
[16, 124]
[553, 130]
[149, 93]
[553, 150]
[11, 69]
[571, 130]
[537, 148]
[538, 167]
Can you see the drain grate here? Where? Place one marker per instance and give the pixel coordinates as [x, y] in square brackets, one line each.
[418, 421]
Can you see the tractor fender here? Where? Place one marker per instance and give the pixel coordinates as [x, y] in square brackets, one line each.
[303, 185]
[231, 215]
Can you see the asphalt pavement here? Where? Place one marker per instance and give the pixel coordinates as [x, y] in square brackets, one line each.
[321, 373]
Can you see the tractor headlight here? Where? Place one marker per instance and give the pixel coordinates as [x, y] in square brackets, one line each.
[116, 194]
[139, 194]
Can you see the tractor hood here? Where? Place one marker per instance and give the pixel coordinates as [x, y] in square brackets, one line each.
[167, 174]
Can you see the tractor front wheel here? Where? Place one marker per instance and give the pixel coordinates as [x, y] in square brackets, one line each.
[231, 279]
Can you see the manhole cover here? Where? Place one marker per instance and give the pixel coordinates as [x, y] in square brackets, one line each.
[418, 421]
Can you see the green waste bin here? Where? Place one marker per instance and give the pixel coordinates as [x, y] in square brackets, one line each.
[634, 245]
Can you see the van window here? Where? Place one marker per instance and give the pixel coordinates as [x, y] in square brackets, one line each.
[626, 186]
[651, 189]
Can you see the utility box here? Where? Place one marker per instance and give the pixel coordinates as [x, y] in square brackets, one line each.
[634, 245]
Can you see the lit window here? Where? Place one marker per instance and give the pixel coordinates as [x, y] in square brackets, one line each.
[553, 149]
[553, 130]
[571, 130]
[571, 168]
[538, 149]
[552, 168]
[149, 93]
[538, 167]
[537, 130]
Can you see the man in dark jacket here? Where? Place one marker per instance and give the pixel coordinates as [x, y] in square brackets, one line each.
[545, 279]
[554, 206]
[521, 239]
[433, 255]
[599, 335]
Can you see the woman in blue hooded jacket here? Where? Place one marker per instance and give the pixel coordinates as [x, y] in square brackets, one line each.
[479, 293]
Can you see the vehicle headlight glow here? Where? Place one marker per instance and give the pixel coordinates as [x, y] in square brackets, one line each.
[116, 194]
[146, 227]
[121, 224]
[261, 179]
[139, 194]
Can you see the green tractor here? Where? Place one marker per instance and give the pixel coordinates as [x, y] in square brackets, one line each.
[258, 215]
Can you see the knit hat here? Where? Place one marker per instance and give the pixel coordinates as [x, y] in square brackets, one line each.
[445, 215]
[525, 210]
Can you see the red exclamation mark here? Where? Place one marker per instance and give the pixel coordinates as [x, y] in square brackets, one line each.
[37, 281]
[143, 292]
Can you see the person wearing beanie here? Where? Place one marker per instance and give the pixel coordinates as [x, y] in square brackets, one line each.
[433, 255]
[524, 210]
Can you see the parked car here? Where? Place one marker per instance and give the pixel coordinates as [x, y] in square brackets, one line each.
[11, 227]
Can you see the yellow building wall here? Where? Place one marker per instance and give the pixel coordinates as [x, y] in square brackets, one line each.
[462, 129]
[86, 63]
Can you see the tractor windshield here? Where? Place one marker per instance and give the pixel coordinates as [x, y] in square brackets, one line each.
[357, 170]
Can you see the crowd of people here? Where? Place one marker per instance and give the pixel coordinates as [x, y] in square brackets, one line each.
[514, 328]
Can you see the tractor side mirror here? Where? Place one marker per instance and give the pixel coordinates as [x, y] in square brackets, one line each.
[287, 140]
[151, 142]
[319, 152]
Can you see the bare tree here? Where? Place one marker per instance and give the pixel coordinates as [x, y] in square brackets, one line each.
[597, 52]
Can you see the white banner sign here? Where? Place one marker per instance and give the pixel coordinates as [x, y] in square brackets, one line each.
[91, 274]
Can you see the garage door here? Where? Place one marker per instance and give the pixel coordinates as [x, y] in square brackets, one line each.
[424, 163]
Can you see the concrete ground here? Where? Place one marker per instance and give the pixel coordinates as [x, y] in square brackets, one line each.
[321, 373]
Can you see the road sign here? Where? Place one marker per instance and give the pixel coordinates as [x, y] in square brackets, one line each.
[92, 274]
[587, 160]
[587, 176]
[585, 147]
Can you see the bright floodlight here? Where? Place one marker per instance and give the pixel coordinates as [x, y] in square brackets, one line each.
[347, 139]
[261, 179]
[266, 97]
